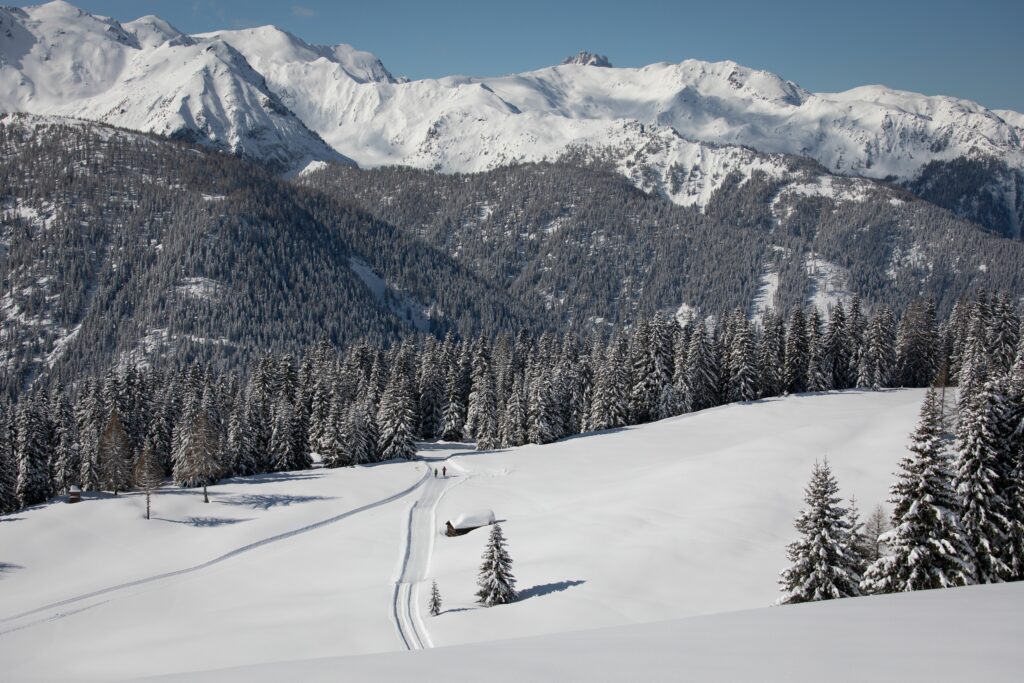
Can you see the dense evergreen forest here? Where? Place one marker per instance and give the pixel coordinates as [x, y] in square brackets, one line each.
[366, 403]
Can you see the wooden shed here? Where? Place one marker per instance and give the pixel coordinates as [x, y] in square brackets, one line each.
[74, 494]
[466, 522]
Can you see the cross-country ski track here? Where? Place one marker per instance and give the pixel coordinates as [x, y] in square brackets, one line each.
[420, 535]
[56, 610]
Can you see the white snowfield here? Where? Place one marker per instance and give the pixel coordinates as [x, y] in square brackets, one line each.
[682, 127]
[684, 517]
[963, 634]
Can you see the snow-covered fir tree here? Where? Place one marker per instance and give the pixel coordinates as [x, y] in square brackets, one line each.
[609, 405]
[336, 445]
[983, 508]
[743, 380]
[8, 464]
[878, 362]
[1011, 433]
[431, 391]
[66, 465]
[487, 425]
[434, 606]
[794, 373]
[771, 358]
[702, 377]
[32, 453]
[824, 562]
[396, 419]
[836, 350]
[282, 441]
[496, 584]
[480, 373]
[513, 421]
[859, 542]
[454, 415]
[917, 345]
[196, 461]
[926, 545]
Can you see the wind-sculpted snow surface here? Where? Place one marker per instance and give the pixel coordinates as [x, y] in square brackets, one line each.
[678, 518]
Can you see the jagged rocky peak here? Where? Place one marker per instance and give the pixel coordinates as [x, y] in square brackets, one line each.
[584, 58]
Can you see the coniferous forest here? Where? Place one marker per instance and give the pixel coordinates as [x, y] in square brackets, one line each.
[365, 403]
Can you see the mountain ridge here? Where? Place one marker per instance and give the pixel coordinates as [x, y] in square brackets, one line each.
[268, 95]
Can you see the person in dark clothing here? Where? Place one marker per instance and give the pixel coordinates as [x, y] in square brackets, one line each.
[444, 471]
[435, 473]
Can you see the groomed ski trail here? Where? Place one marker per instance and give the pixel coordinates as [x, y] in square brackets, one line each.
[10, 624]
[421, 533]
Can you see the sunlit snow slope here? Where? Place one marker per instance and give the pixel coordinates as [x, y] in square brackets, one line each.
[963, 634]
[682, 517]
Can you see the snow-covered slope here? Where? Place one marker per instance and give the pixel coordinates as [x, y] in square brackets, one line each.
[682, 517]
[145, 75]
[965, 634]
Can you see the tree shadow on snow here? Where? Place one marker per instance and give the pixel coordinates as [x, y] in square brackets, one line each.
[258, 501]
[6, 567]
[547, 589]
[271, 477]
[444, 446]
[456, 609]
[204, 521]
[11, 519]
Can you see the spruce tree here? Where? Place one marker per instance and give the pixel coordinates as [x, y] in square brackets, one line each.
[204, 459]
[335, 444]
[487, 426]
[743, 380]
[771, 357]
[1012, 435]
[396, 419]
[496, 584]
[8, 465]
[542, 420]
[67, 466]
[431, 394]
[984, 511]
[794, 373]
[114, 453]
[31, 451]
[479, 373]
[926, 544]
[454, 415]
[434, 607]
[282, 441]
[878, 362]
[609, 406]
[836, 350]
[824, 563]
[702, 376]
[859, 543]
[513, 422]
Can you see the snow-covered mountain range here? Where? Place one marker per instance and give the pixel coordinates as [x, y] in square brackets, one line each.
[679, 129]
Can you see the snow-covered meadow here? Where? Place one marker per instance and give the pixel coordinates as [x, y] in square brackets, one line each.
[684, 517]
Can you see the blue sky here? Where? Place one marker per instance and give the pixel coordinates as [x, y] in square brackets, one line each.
[967, 49]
